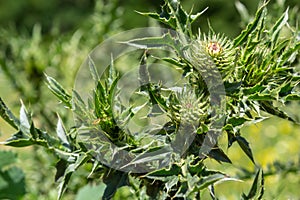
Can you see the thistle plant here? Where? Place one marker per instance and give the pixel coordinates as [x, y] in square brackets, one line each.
[229, 83]
[212, 50]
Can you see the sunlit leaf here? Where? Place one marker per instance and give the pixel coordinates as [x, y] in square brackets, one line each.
[8, 116]
[93, 70]
[209, 180]
[245, 147]
[251, 27]
[25, 120]
[59, 91]
[71, 168]
[219, 155]
[278, 26]
[254, 191]
[61, 132]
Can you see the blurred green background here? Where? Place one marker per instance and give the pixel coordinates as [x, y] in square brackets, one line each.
[55, 36]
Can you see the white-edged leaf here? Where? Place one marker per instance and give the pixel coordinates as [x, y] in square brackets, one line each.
[148, 157]
[8, 116]
[24, 119]
[58, 91]
[93, 70]
[61, 132]
[64, 180]
[228, 179]
[279, 25]
[209, 180]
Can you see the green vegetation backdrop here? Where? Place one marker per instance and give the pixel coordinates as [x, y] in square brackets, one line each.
[54, 37]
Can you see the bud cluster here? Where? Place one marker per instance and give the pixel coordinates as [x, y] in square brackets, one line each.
[188, 108]
[211, 50]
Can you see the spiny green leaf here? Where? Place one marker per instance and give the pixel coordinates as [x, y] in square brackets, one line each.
[232, 87]
[33, 131]
[18, 143]
[171, 183]
[80, 109]
[154, 42]
[254, 89]
[98, 106]
[61, 167]
[197, 168]
[180, 15]
[164, 17]
[64, 180]
[59, 91]
[250, 28]
[271, 109]
[111, 90]
[237, 121]
[219, 155]
[173, 61]
[63, 184]
[194, 17]
[261, 97]
[289, 55]
[101, 92]
[292, 97]
[8, 116]
[25, 120]
[19, 139]
[231, 138]
[209, 180]
[112, 74]
[175, 16]
[144, 76]
[278, 27]
[156, 98]
[61, 132]
[93, 70]
[245, 147]
[173, 170]
[254, 188]
[113, 181]
[148, 157]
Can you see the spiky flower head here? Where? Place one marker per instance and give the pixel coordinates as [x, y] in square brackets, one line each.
[210, 52]
[213, 49]
[188, 108]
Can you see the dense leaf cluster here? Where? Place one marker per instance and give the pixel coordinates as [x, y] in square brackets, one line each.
[256, 70]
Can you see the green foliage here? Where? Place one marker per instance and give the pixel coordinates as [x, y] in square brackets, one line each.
[257, 70]
[91, 192]
[256, 191]
[27, 55]
[12, 178]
